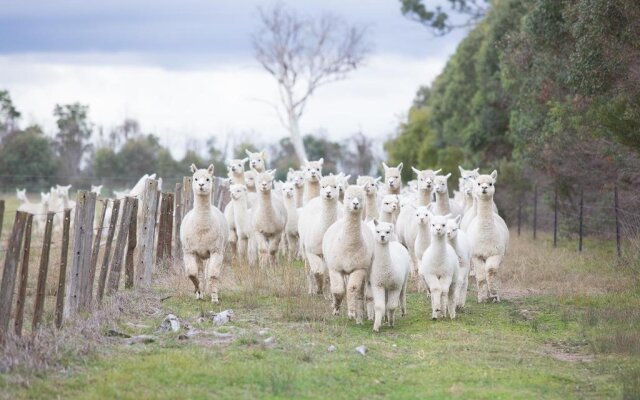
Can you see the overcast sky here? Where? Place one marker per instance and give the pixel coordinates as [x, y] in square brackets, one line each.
[185, 69]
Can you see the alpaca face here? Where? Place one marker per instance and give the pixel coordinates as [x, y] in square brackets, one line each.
[288, 190]
[453, 225]
[354, 199]
[44, 197]
[297, 178]
[343, 182]
[236, 165]
[63, 190]
[392, 176]
[329, 187]
[257, 160]
[202, 180]
[21, 194]
[422, 215]
[485, 186]
[250, 179]
[438, 224]
[96, 189]
[390, 203]
[426, 178]
[264, 181]
[440, 184]
[313, 170]
[369, 184]
[384, 231]
[237, 191]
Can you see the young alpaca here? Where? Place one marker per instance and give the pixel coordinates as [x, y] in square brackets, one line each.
[250, 181]
[242, 221]
[348, 250]
[257, 161]
[388, 276]
[489, 237]
[203, 235]
[392, 178]
[343, 183]
[423, 236]
[467, 176]
[315, 218]
[268, 218]
[312, 175]
[443, 204]
[297, 178]
[63, 193]
[370, 186]
[96, 189]
[439, 268]
[235, 171]
[457, 238]
[291, 228]
[388, 212]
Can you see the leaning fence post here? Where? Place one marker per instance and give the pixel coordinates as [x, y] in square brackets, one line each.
[10, 270]
[94, 256]
[102, 279]
[132, 242]
[535, 212]
[555, 217]
[187, 195]
[177, 222]
[519, 216]
[1, 216]
[144, 264]
[38, 308]
[615, 201]
[24, 276]
[581, 217]
[63, 268]
[116, 260]
[163, 250]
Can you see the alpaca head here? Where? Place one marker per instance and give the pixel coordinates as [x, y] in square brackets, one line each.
[202, 180]
[390, 203]
[392, 176]
[236, 166]
[354, 199]
[440, 184]
[438, 224]
[343, 182]
[453, 225]
[237, 191]
[296, 177]
[329, 187]
[313, 170]
[369, 184]
[425, 178]
[63, 190]
[422, 215]
[384, 231]
[250, 179]
[120, 194]
[257, 160]
[21, 194]
[96, 189]
[45, 197]
[485, 186]
[264, 181]
[288, 190]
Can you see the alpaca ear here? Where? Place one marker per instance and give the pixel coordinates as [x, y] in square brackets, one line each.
[384, 165]
[247, 152]
[414, 169]
[400, 167]
[193, 168]
[437, 172]
[378, 179]
[210, 169]
[448, 175]
[494, 174]
[458, 220]
[272, 172]
[291, 170]
[375, 222]
[347, 177]
[321, 161]
[263, 155]
[448, 216]
[430, 214]
[244, 160]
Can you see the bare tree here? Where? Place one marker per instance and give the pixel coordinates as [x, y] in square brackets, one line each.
[302, 54]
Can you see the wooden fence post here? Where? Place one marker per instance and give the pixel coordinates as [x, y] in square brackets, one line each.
[116, 260]
[132, 242]
[187, 195]
[82, 240]
[177, 222]
[88, 296]
[64, 251]
[38, 308]
[519, 216]
[165, 229]
[535, 212]
[144, 264]
[555, 217]
[24, 276]
[102, 279]
[1, 217]
[615, 205]
[581, 218]
[10, 271]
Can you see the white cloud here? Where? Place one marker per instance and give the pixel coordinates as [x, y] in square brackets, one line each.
[181, 104]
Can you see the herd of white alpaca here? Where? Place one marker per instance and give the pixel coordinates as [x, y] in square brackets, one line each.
[361, 242]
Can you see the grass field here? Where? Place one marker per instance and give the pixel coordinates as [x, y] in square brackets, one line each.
[569, 327]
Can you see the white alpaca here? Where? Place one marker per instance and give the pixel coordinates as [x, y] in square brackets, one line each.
[297, 178]
[64, 202]
[348, 250]
[257, 161]
[314, 220]
[343, 183]
[489, 237]
[387, 281]
[458, 240]
[370, 186]
[312, 175]
[388, 212]
[96, 189]
[21, 194]
[439, 268]
[291, 228]
[250, 181]
[465, 186]
[203, 235]
[242, 219]
[235, 170]
[121, 194]
[138, 188]
[268, 218]
[392, 178]
[443, 204]
[423, 236]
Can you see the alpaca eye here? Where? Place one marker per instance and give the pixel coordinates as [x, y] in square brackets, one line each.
[491, 184]
[208, 179]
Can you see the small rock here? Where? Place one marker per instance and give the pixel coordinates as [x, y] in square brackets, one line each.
[394, 345]
[200, 320]
[142, 339]
[223, 317]
[269, 340]
[362, 350]
[331, 348]
[188, 334]
[170, 323]
[263, 332]
[114, 333]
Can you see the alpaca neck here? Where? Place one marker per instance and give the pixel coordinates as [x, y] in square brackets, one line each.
[202, 202]
[423, 232]
[382, 257]
[352, 227]
[395, 190]
[65, 202]
[438, 243]
[424, 197]
[468, 201]
[329, 210]
[311, 190]
[485, 208]
[290, 204]
[299, 196]
[372, 206]
[442, 203]
[237, 178]
[387, 217]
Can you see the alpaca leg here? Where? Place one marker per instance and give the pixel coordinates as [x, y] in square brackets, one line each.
[368, 296]
[316, 268]
[242, 248]
[403, 299]
[337, 290]
[263, 249]
[493, 281]
[311, 281]
[274, 244]
[378, 304]
[393, 300]
[355, 294]
[192, 266]
[213, 270]
[481, 279]
[463, 287]
[451, 302]
[233, 241]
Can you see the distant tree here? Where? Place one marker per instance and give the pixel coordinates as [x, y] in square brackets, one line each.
[139, 156]
[72, 138]
[439, 21]
[27, 157]
[9, 115]
[303, 54]
[358, 157]
[129, 129]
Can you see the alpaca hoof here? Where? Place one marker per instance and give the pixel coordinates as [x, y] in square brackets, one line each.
[336, 312]
[495, 299]
[198, 295]
[215, 299]
[376, 330]
[434, 317]
[351, 315]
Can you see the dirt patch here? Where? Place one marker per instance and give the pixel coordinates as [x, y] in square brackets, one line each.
[566, 353]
